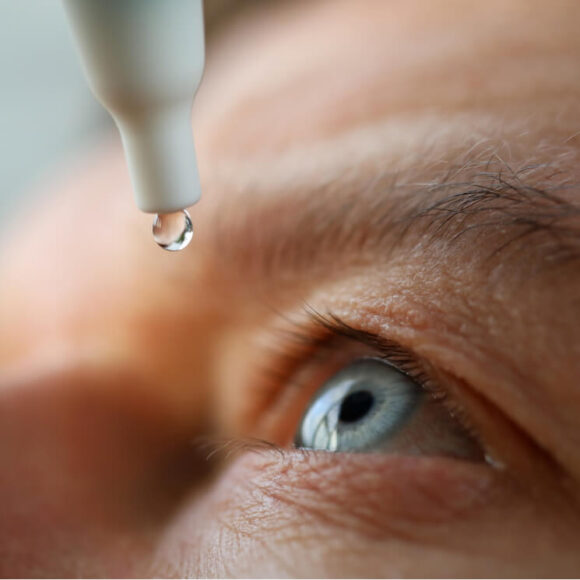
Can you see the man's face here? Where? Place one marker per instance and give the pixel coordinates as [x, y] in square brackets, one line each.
[384, 270]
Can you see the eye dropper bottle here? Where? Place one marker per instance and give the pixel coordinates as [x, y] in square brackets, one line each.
[144, 61]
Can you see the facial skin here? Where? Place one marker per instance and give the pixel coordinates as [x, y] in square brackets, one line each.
[409, 168]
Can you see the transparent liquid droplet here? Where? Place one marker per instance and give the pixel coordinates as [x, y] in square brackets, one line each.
[173, 231]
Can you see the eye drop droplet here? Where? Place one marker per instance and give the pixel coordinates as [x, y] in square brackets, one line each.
[172, 231]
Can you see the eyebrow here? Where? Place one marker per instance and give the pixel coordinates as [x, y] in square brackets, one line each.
[527, 206]
[479, 203]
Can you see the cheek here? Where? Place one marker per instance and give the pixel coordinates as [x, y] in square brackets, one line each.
[324, 515]
[331, 515]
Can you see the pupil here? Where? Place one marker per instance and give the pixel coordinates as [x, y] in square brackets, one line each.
[355, 406]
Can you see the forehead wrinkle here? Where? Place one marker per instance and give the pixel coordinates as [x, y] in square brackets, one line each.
[367, 217]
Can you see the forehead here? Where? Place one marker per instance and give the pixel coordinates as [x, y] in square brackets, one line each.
[305, 72]
[314, 94]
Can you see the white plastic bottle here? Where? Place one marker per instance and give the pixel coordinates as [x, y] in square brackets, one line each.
[144, 61]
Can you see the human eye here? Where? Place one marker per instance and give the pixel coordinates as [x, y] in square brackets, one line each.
[369, 405]
[348, 390]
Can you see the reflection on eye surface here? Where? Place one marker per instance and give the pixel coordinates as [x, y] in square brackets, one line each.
[369, 405]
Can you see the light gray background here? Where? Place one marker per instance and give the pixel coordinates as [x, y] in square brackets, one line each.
[46, 110]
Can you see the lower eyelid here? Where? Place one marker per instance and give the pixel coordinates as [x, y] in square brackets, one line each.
[372, 492]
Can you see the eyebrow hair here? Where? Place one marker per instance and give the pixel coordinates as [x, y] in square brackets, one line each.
[479, 203]
[505, 199]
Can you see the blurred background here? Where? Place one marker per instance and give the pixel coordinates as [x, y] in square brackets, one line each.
[48, 116]
[47, 113]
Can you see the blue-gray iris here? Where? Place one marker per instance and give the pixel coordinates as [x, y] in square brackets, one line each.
[359, 408]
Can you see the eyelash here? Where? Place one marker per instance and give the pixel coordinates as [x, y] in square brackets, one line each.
[390, 351]
[321, 336]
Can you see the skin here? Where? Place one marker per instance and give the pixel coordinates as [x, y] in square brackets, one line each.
[116, 356]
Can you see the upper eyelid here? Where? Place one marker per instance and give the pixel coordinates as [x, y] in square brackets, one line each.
[315, 345]
[316, 337]
[391, 351]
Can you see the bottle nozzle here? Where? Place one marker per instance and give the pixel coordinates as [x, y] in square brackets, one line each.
[144, 61]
